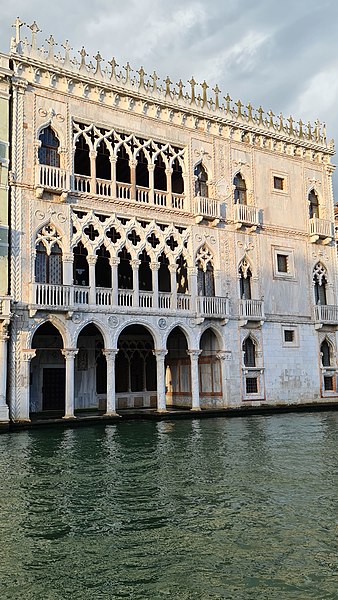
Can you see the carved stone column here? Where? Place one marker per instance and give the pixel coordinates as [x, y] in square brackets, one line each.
[92, 287]
[135, 266]
[160, 370]
[69, 354]
[192, 274]
[173, 286]
[68, 261]
[26, 357]
[92, 156]
[4, 337]
[113, 160]
[132, 164]
[195, 388]
[151, 169]
[111, 402]
[114, 263]
[218, 283]
[168, 173]
[224, 356]
[155, 269]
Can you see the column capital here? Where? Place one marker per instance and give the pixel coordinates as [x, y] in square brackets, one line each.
[135, 263]
[194, 353]
[192, 271]
[172, 268]
[69, 353]
[91, 259]
[68, 257]
[151, 167]
[92, 153]
[28, 354]
[110, 353]
[114, 261]
[155, 266]
[160, 353]
[223, 355]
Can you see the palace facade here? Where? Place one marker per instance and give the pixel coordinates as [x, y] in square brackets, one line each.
[169, 249]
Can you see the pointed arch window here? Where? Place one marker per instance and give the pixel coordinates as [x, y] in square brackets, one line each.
[145, 273]
[325, 353]
[103, 165]
[320, 283]
[81, 157]
[142, 173]
[313, 205]
[48, 266]
[125, 271]
[122, 166]
[160, 176]
[49, 148]
[240, 193]
[177, 184]
[205, 273]
[164, 280]
[80, 268]
[182, 275]
[249, 353]
[103, 268]
[201, 181]
[245, 280]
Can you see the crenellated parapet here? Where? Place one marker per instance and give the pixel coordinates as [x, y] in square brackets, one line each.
[108, 83]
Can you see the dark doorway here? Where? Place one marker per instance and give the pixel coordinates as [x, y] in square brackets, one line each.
[53, 389]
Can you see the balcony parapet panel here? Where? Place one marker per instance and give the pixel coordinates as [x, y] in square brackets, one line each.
[325, 314]
[251, 310]
[213, 307]
[247, 216]
[321, 229]
[207, 208]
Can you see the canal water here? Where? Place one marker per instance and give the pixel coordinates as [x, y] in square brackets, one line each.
[195, 509]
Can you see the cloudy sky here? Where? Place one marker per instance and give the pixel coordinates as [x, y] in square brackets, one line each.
[279, 54]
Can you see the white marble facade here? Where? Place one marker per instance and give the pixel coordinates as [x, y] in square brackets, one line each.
[168, 249]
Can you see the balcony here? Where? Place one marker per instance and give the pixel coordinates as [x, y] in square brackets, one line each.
[125, 191]
[71, 297]
[251, 310]
[207, 208]
[213, 307]
[325, 314]
[50, 179]
[247, 216]
[321, 229]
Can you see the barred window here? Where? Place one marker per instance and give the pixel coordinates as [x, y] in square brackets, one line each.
[251, 385]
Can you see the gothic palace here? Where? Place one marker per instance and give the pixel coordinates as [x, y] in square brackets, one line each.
[163, 248]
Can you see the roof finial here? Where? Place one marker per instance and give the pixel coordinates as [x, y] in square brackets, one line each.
[34, 29]
[193, 84]
[217, 91]
[204, 86]
[17, 24]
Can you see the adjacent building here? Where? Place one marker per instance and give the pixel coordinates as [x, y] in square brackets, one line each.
[169, 248]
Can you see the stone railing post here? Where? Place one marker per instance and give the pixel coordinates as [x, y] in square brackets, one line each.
[69, 354]
[111, 399]
[195, 388]
[160, 370]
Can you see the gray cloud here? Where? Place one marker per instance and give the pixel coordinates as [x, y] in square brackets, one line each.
[282, 56]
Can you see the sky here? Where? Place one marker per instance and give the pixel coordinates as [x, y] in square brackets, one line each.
[278, 54]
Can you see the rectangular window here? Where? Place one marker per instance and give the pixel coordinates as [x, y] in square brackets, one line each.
[328, 384]
[251, 385]
[282, 263]
[289, 335]
[278, 183]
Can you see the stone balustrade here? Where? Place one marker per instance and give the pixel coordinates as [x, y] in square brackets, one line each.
[251, 310]
[321, 229]
[51, 178]
[248, 216]
[326, 313]
[206, 208]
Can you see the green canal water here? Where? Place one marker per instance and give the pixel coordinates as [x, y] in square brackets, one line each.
[201, 509]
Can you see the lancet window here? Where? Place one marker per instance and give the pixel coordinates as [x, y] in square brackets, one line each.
[160, 177]
[80, 265]
[313, 205]
[145, 273]
[81, 157]
[125, 271]
[48, 261]
[249, 352]
[142, 173]
[177, 183]
[240, 192]
[205, 273]
[320, 283]
[49, 148]
[245, 280]
[103, 164]
[325, 352]
[182, 275]
[103, 268]
[201, 181]
[122, 166]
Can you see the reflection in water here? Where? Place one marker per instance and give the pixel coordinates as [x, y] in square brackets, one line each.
[200, 509]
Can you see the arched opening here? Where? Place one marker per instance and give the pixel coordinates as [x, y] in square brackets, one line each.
[145, 279]
[49, 149]
[81, 157]
[240, 195]
[249, 352]
[245, 280]
[313, 205]
[164, 280]
[48, 267]
[103, 268]
[178, 371]
[47, 371]
[182, 275]
[205, 273]
[201, 181]
[325, 351]
[160, 177]
[210, 382]
[320, 283]
[122, 166]
[136, 369]
[125, 271]
[142, 173]
[90, 370]
[177, 182]
[103, 164]
[80, 265]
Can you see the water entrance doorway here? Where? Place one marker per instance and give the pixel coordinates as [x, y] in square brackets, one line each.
[53, 389]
